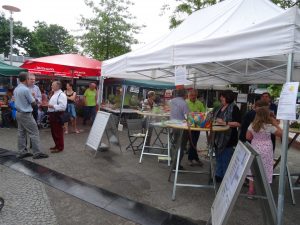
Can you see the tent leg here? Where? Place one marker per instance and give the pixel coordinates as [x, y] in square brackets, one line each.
[284, 148]
[100, 92]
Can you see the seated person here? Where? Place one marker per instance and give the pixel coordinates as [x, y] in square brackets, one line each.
[134, 101]
[149, 102]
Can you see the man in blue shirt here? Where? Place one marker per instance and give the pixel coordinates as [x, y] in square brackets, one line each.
[26, 123]
[179, 110]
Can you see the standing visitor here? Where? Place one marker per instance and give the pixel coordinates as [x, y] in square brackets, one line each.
[56, 107]
[90, 100]
[273, 112]
[71, 97]
[179, 111]
[148, 104]
[36, 93]
[26, 123]
[259, 133]
[194, 105]
[226, 114]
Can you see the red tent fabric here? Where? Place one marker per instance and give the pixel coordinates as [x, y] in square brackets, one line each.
[69, 65]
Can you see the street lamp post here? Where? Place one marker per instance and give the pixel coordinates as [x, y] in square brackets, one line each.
[11, 9]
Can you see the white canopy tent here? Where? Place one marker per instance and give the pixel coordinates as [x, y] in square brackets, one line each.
[234, 41]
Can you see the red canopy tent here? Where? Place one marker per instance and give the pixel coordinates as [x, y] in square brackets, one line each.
[68, 65]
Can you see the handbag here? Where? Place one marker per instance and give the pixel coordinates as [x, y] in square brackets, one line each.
[65, 117]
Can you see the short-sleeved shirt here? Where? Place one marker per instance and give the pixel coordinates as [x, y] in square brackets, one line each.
[179, 108]
[90, 96]
[196, 106]
[23, 98]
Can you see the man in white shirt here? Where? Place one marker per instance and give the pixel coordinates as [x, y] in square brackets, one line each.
[56, 107]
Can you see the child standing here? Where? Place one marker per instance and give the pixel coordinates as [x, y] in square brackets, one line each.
[259, 133]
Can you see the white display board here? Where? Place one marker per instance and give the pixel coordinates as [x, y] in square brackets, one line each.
[242, 98]
[180, 75]
[97, 130]
[287, 101]
[231, 184]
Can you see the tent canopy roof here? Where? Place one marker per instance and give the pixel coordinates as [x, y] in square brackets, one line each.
[234, 41]
[142, 83]
[64, 65]
[7, 70]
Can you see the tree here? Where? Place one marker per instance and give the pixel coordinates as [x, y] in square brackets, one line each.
[187, 7]
[20, 39]
[50, 40]
[109, 33]
[284, 3]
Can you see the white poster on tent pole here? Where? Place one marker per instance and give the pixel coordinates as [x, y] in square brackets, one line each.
[287, 101]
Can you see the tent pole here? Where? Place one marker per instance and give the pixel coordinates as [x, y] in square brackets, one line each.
[124, 88]
[284, 148]
[100, 92]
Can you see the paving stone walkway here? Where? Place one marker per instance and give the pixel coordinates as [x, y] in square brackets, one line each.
[26, 201]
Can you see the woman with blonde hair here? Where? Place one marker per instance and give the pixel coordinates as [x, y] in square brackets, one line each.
[259, 133]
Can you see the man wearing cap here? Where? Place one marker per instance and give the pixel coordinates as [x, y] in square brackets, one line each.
[26, 123]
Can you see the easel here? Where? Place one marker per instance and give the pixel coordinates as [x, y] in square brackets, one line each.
[244, 158]
[103, 122]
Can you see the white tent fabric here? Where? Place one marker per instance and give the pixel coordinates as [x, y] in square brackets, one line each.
[234, 41]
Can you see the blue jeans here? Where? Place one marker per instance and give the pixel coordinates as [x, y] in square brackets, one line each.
[222, 161]
[71, 109]
[89, 113]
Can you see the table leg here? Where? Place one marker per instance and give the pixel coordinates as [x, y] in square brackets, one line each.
[289, 145]
[176, 174]
[290, 184]
[146, 135]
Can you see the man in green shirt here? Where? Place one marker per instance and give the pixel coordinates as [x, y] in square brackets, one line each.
[90, 101]
[194, 105]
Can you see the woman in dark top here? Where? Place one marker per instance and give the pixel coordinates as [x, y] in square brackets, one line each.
[71, 96]
[226, 114]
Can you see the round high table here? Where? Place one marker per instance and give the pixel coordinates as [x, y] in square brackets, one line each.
[158, 116]
[183, 126]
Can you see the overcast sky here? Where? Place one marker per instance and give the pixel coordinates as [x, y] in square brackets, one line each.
[67, 14]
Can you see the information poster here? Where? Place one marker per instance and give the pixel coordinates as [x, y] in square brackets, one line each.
[180, 75]
[287, 101]
[242, 98]
[97, 130]
[231, 184]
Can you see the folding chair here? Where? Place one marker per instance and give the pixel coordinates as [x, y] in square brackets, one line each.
[136, 135]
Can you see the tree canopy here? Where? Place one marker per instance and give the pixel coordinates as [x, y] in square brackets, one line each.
[50, 40]
[44, 40]
[20, 40]
[109, 33]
